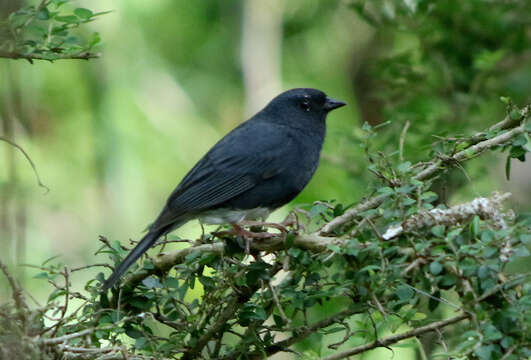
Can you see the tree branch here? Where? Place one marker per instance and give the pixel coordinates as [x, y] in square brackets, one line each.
[386, 341]
[18, 296]
[301, 333]
[438, 165]
[485, 208]
[32, 164]
[234, 304]
[165, 262]
[84, 55]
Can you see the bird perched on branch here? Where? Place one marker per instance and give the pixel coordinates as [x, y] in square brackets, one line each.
[256, 168]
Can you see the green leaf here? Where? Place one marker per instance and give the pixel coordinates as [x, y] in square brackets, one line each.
[83, 13]
[334, 248]
[525, 238]
[520, 140]
[483, 272]
[43, 14]
[386, 190]
[193, 255]
[474, 226]
[447, 281]
[491, 333]
[133, 333]
[69, 19]
[506, 100]
[151, 282]
[436, 268]
[438, 230]
[207, 282]
[487, 236]
[404, 167]
[318, 209]
[521, 251]
[44, 275]
[58, 3]
[404, 292]
[140, 343]
[515, 114]
[507, 342]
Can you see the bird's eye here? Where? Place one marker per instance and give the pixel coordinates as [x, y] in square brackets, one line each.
[305, 105]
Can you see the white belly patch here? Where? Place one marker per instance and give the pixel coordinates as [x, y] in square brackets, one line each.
[233, 216]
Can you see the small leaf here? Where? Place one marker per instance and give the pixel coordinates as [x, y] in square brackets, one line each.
[140, 343]
[69, 19]
[521, 251]
[404, 167]
[505, 99]
[43, 14]
[207, 282]
[151, 282]
[515, 114]
[525, 238]
[436, 268]
[404, 292]
[386, 190]
[83, 13]
[474, 226]
[438, 230]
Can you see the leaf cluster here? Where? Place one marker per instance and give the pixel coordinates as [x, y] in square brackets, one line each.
[218, 300]
[48, 32]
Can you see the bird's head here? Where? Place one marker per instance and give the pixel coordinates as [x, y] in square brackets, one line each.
[302, 106]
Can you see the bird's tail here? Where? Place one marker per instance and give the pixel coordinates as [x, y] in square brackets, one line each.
[147, 241]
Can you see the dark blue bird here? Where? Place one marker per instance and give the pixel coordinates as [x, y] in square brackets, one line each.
[256, 168]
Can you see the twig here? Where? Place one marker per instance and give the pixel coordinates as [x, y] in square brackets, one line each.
[64, 308]
[485, 208]
[60, 339]
[165, 262]
[302, 333]
[234, 303]
[90, 266]
[84, 55]
[386, 341]
[402, 139]
[435, 167]
[18, 296]
[39, 182]
[277, 303]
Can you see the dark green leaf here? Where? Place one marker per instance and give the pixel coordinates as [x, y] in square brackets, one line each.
[404, 292]
[436, 268]
[83, 13]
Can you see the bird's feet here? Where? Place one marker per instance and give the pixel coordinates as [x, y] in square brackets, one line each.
[248, 235]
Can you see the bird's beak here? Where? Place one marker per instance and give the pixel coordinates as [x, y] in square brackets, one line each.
[332, 104]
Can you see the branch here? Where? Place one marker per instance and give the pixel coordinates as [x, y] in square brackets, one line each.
[18, 296]
[83, 55]
[485, 208]
[386, 341]
[479, 146]
[164, 262]
[225, 316]
[234, 304]
[32, 164]
[301, 333]
[61, 339]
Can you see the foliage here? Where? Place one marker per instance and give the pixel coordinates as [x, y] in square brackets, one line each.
[46, 32]
[333, 282]
[424, 278]
[439, 63]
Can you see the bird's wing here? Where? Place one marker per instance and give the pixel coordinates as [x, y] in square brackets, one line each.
[233, 166]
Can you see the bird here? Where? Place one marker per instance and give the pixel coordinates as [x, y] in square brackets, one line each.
[259, 166]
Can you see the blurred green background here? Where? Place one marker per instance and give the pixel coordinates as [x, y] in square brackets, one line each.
[112, 137]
